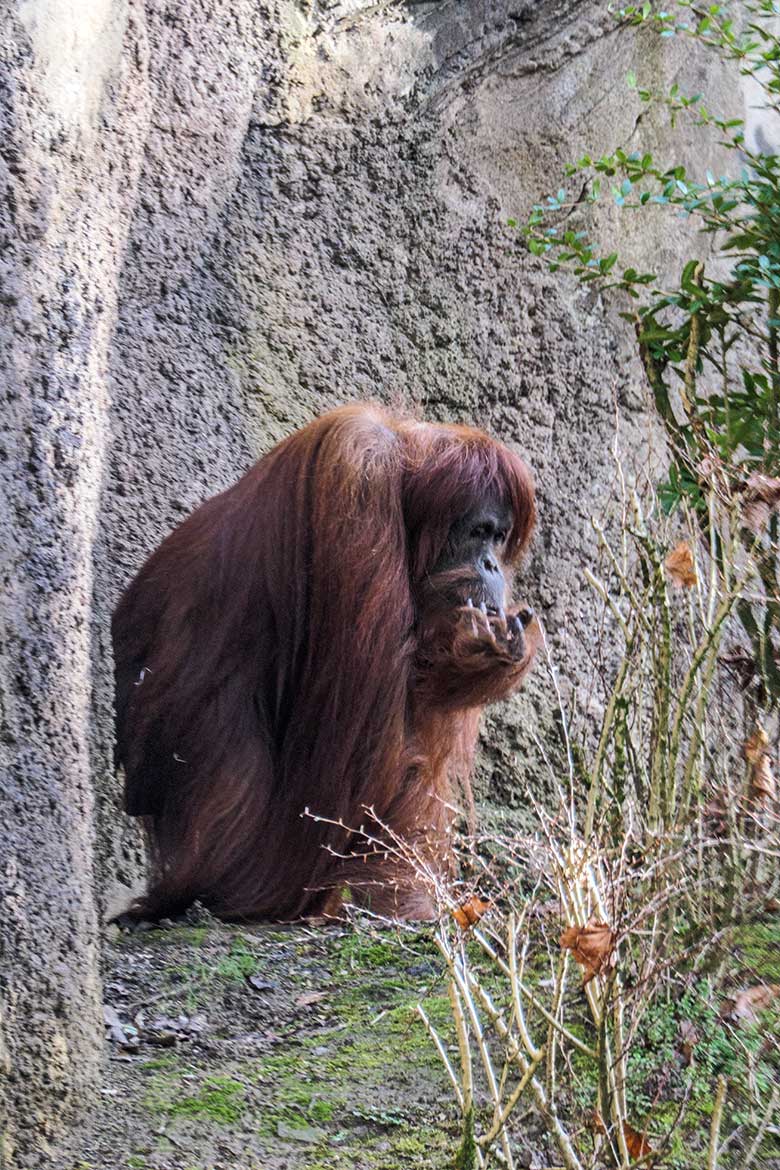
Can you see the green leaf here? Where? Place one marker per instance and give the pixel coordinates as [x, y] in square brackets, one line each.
[686, 279]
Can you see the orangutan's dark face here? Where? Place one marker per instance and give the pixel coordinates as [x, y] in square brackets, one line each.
[476, 545]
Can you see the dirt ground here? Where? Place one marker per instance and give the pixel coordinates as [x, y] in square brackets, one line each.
[267, 1048]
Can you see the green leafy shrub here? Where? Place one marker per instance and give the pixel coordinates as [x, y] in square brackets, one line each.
[709, 341]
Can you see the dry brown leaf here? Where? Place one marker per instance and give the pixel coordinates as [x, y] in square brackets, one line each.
[715, 813]
[757, 746]
[762, 780]
[707, 467]
[755, 515]
[680, 566]
[592, 945]
[766, 487]
[636, 1143]
[747, 1004]
[469, 912]
[689, 1038]
[761, 497]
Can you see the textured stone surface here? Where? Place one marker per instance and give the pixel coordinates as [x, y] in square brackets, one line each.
[60, 254]
[221, 219]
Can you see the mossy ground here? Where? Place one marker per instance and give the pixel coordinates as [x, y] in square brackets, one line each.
[283, 1047]
[277, 1049]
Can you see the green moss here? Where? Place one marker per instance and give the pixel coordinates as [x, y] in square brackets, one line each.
[231, 967]
[757, 946]
[416, 1143]
[320, 1110]
[203, 973]
[436, 1007]
[159, 1063]
[364, 1045]
[363, 952]
[307, 1100]
[175, 936]
[219, 1099]
[421, 1146]
[267, 936]
[276, 1067]
[237, 964]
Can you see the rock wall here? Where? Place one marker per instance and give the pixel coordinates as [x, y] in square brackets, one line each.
[220, 219]
[64, 195]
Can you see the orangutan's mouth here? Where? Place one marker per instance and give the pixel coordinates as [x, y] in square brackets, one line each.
[525, 614]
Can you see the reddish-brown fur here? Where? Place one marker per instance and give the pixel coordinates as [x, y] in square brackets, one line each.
[286, 648]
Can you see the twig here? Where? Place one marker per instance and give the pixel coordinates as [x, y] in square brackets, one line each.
[755, 1145]
[501, 1120]
[717, 1115]
[434, 1035]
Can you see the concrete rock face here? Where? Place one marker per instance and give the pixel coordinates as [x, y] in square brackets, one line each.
[219, 220]
[64, 196]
